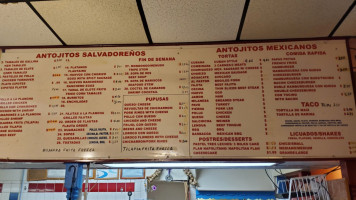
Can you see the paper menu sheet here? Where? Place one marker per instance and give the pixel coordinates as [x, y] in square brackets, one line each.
[258, 100]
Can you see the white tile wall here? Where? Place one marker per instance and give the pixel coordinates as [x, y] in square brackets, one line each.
[93, 196]
[49, 196]
[15, 187]
[121, 195]
[4, 196]
[25, 187]
[24, 196]
[59, 195]
[10, 175]
[138, 185]
[33, 196]
[44, 182]
[6, 188]
[107, 195]
[139, 193]
[11, 180]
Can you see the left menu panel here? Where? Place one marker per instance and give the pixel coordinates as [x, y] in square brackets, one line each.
[48, 105]
[91, 104]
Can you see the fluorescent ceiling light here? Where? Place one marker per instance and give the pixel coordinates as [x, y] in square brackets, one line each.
[183, 165]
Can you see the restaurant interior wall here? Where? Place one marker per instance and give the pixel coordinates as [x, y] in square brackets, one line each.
[11, 183]
[208, 179]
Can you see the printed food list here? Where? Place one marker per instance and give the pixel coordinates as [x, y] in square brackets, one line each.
[251, 100]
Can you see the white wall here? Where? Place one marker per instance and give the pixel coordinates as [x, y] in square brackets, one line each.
[233, 180]
[208, 179]
[11, 180]
[236, 179]
[177, 174]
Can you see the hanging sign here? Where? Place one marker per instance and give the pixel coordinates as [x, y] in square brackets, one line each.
[253, 100]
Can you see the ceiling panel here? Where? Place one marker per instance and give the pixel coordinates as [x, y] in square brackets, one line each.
[193, 21]
[82, 22]
[348, 27]
[279, 19]
[19, 26]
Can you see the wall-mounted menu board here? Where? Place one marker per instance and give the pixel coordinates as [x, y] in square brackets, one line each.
[255, 100]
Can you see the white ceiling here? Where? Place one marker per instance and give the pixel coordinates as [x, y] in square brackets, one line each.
[193, 21]
[19, 26]
[279, 19]
[348, 27]
[94, 21]
[88, 22]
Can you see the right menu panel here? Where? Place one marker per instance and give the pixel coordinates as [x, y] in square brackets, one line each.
[290, 99]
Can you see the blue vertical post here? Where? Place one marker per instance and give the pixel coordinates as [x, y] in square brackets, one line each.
[73, 180]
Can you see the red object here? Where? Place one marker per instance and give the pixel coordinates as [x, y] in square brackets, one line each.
[111, 187]
[0, 187]
[130, 187]
[120, 187]
[50, 187]
[58, 187]
[32, 187]
[41, 187]
[92, 187]
[83, 187]
[103, 187]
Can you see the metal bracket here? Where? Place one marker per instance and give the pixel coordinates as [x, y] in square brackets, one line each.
[73, 180]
